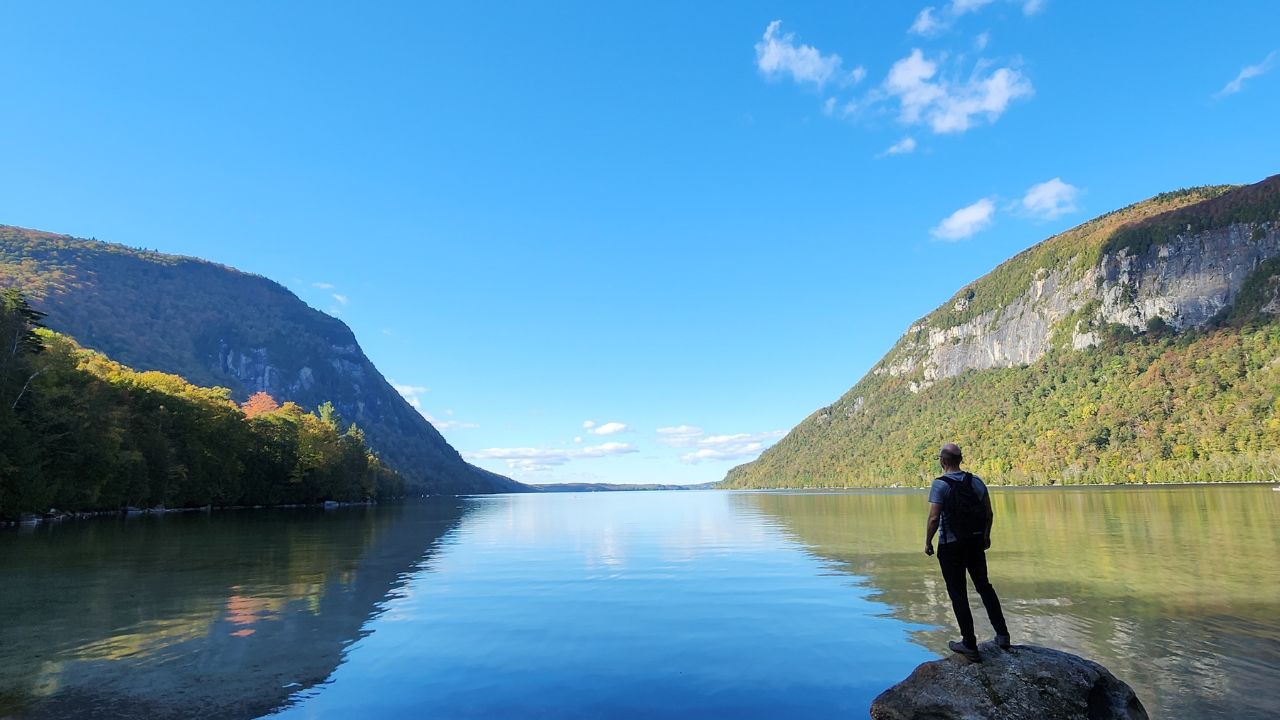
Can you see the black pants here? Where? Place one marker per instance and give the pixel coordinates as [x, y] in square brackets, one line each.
[955, 558]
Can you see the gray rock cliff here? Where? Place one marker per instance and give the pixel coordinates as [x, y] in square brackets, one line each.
[1184, 282]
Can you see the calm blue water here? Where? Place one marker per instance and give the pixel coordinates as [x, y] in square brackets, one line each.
[617, 605]
[620, 605]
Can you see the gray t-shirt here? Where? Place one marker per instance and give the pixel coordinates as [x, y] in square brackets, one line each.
[938, 494]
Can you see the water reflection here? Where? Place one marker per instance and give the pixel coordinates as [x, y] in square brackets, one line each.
[217, 615]
[698, 604]
[621, 605]
[1173, 589]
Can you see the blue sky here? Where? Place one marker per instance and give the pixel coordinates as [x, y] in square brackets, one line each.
[622, 242]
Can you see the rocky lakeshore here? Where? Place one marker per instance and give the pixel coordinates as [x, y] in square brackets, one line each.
[55, 516]
[1025, 682]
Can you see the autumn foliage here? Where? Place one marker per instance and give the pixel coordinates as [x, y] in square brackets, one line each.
[258, 404]
[81, 432]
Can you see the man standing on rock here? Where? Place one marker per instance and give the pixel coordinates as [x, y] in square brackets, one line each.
[960, 512]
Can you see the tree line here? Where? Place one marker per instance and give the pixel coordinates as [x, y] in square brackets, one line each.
[80, 432]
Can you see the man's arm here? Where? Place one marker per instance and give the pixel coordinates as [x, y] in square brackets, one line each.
[931, 527]
[991, 517]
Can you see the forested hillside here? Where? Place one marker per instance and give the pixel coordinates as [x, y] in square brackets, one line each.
[81, 432]
[216, 326]
[1143, 346]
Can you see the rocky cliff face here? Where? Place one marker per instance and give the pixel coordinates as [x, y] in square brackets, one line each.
[1073, 360]
[1184, 283]
[217, 326]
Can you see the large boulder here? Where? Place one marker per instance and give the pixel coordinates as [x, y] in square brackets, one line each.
[1025, 682]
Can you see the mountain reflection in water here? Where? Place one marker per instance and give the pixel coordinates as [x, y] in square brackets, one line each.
[1174, 589]
[657, 604]
[223, 614]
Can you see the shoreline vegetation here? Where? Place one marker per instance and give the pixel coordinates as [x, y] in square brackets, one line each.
[1011, 486]
[55, 516]
[1160, 407]
[84, 434]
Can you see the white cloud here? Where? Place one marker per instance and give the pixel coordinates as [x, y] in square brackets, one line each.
[908, 80]
[443, 425]
[679, 435]
[1049, 199]
[609, 428]
[931, 21]
[962, 7]
[322, 285]
[539, 459]
[966, 221]
[945, 99]
[342, 299]
[950, 107]
[606, 449]
[777, 54]
[715, 447]
[739, 446]
[927, 24]
[578, 439]
[1031, 7]
[410, 393]
[902, 147]
[1247, 72]
[986, 99]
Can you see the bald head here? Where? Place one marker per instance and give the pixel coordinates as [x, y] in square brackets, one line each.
[950, 456]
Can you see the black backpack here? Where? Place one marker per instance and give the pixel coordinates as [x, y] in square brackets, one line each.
[965, 510]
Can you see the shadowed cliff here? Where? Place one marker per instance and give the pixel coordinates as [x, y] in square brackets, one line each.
[217, 326]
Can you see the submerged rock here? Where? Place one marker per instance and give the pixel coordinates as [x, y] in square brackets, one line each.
[1026, 681]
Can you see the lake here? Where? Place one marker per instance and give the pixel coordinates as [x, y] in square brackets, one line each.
[648, 604]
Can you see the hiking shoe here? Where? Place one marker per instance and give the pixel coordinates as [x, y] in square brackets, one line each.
[960, 648]
[1002, 641]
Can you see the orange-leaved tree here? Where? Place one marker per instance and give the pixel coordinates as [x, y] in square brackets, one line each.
[258, 404]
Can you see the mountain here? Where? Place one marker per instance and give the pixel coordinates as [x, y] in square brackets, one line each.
[619, 487]
[217, 326]
[82, 433]
[1141, 346]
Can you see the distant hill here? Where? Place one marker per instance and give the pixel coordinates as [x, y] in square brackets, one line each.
[1141, 346]
[217, 326]
[618, 487]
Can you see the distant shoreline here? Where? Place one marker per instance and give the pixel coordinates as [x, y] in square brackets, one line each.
[29, 520]
[32, 521]
[651, 487]
[1080, 486]
[618, 487]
